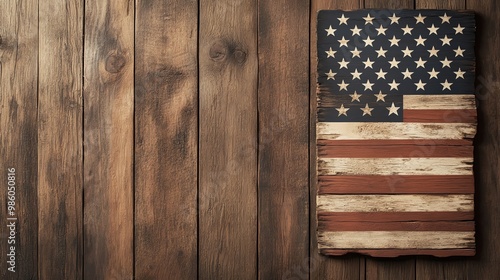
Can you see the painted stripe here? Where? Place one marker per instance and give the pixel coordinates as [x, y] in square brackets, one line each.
[440, 116]
[395, 166]
[396, 239]
[395, 203]
[382, 142]
[394, 216]
[400, 151]
[439, 102]
[396, 226]
[391, 253]
[372, 184]
[384, 130]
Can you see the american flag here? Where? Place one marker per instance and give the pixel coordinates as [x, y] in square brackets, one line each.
[396, 118]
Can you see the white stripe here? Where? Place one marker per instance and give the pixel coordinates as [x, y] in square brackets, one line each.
[439, 102]
[396, 203]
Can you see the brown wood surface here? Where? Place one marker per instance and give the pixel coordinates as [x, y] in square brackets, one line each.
[228, 134]
[18, 132]
[440, 116]
[108, 139]
[406, 151]
[394, 216]
[393, 253]
[166, 139]
[396, 226]
[60, 131]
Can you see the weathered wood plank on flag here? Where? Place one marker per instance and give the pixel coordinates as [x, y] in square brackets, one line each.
[396, 117]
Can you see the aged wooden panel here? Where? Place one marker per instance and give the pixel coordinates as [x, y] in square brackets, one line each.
[166, 139]
[395, 217]
[60, 232]
[283, 104]
[397, 226]
[393, 253]
[18, 135]
[108, 139]
[228, 134]
[404, 151]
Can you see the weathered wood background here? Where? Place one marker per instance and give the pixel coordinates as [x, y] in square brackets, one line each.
[175, 140]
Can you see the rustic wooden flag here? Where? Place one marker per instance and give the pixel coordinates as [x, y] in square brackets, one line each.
[396, 118]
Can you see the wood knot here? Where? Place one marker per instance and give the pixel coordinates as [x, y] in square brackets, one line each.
[115, 63]
[218, 51]
[240, 56]
[227, 49]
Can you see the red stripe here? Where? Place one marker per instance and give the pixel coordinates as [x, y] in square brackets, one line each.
[440, 116]
[391, 253]
[395, 226]
[393, 216]
[444, 142]
[452, 184]
[411, 151]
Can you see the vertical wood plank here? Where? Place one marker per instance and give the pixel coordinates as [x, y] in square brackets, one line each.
[108, 139]
[60, 237]
[228, 134]
[18, 135]
[323, 267]
[283, 139]
[166, 139]
[401, 268]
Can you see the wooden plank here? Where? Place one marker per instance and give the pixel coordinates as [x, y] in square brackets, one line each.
[395, 166]
[396, 226]
[382, 142]
[407, 151]
[166, 139]
[108, 138]
[395, 216]
[396, 203]
[396, 131]
[18, 136]
[392, 253]
[60, 232]
[397, 239]
[372, 184]
[440, 102]
[440, 116]
[228, 134]
[283, 137]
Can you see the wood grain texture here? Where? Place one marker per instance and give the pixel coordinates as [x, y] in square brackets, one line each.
[60, 232]
[228, 134]
[394, 217]
[283, 236]
[18, 132]
[397, 226]
[166, 139]
[440, 116]
[393, 253]
[108, 139]
[406, 151]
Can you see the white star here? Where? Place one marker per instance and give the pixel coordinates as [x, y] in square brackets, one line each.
[381, 30]
[420, 18]
[356, 30]
[420, 63]
[368, 63]
[343, 63]
[394, 85]
[330, 31]
[343, 85]
[330, 75]
[356, 52]
[407, 30]
[394, 63]
[420, 85]
[459, 52]
[394, 41]
[433, 73]
[343, 42]
[407, 74]
[355, 96]
[367, 110]
[342, 110]
[459, 73]
[343, 20]
[368, 41]
[459, 29]
[446, 62]
[446, 85]
[368, 19]
[433, 52]
[420, 40]
[394, 19]
[445, 18]
[381, 74]
[380, 96]
[433, 29]
[356, 74]
[381, 52]
[393, 109]
[407, 52]
[330, 53]
[368, 85]
[446, 40]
